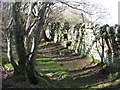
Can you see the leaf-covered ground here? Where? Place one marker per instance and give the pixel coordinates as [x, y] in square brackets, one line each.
[68, 70]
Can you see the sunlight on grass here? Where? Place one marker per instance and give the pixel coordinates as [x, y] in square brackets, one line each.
[49, 42]
[79, 73]
[89, 58]
[57, 71]
[41, 59]
[95, 60]
[95, 85]
[118, 80]
[45, 43]
[51, 68]
[40, 54]
[64, 52]
[9, 66]
[103, 85]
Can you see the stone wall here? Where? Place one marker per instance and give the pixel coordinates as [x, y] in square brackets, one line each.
[96, 41]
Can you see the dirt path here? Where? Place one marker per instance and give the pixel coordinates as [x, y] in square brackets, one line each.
[69, 60]
[83, 73]
[67, 69]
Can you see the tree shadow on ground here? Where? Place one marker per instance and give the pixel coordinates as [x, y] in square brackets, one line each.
[86, 75]
[86, 79]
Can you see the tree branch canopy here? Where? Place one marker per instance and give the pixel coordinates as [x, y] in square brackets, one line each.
[74, 7]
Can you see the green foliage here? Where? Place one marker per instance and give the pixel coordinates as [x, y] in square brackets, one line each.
[9, 66]
[114, 76]
[13, 42]
[5, 59]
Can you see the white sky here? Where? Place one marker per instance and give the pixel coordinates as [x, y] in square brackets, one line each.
[112, 6]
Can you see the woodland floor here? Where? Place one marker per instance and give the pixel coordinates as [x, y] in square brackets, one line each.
[67, 69]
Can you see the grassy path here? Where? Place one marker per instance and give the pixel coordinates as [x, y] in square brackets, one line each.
[64, 69]
[69, 70]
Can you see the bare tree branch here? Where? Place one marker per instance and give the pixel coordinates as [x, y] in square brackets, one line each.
[75, 7]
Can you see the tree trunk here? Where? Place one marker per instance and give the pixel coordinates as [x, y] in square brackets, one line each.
[9, 35]
[38, 34]
[19, 42]
[26, 64]
[44, 36]
[102, 59]
[10, 54]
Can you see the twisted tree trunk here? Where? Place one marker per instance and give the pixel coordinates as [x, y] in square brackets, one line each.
[26, 64]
